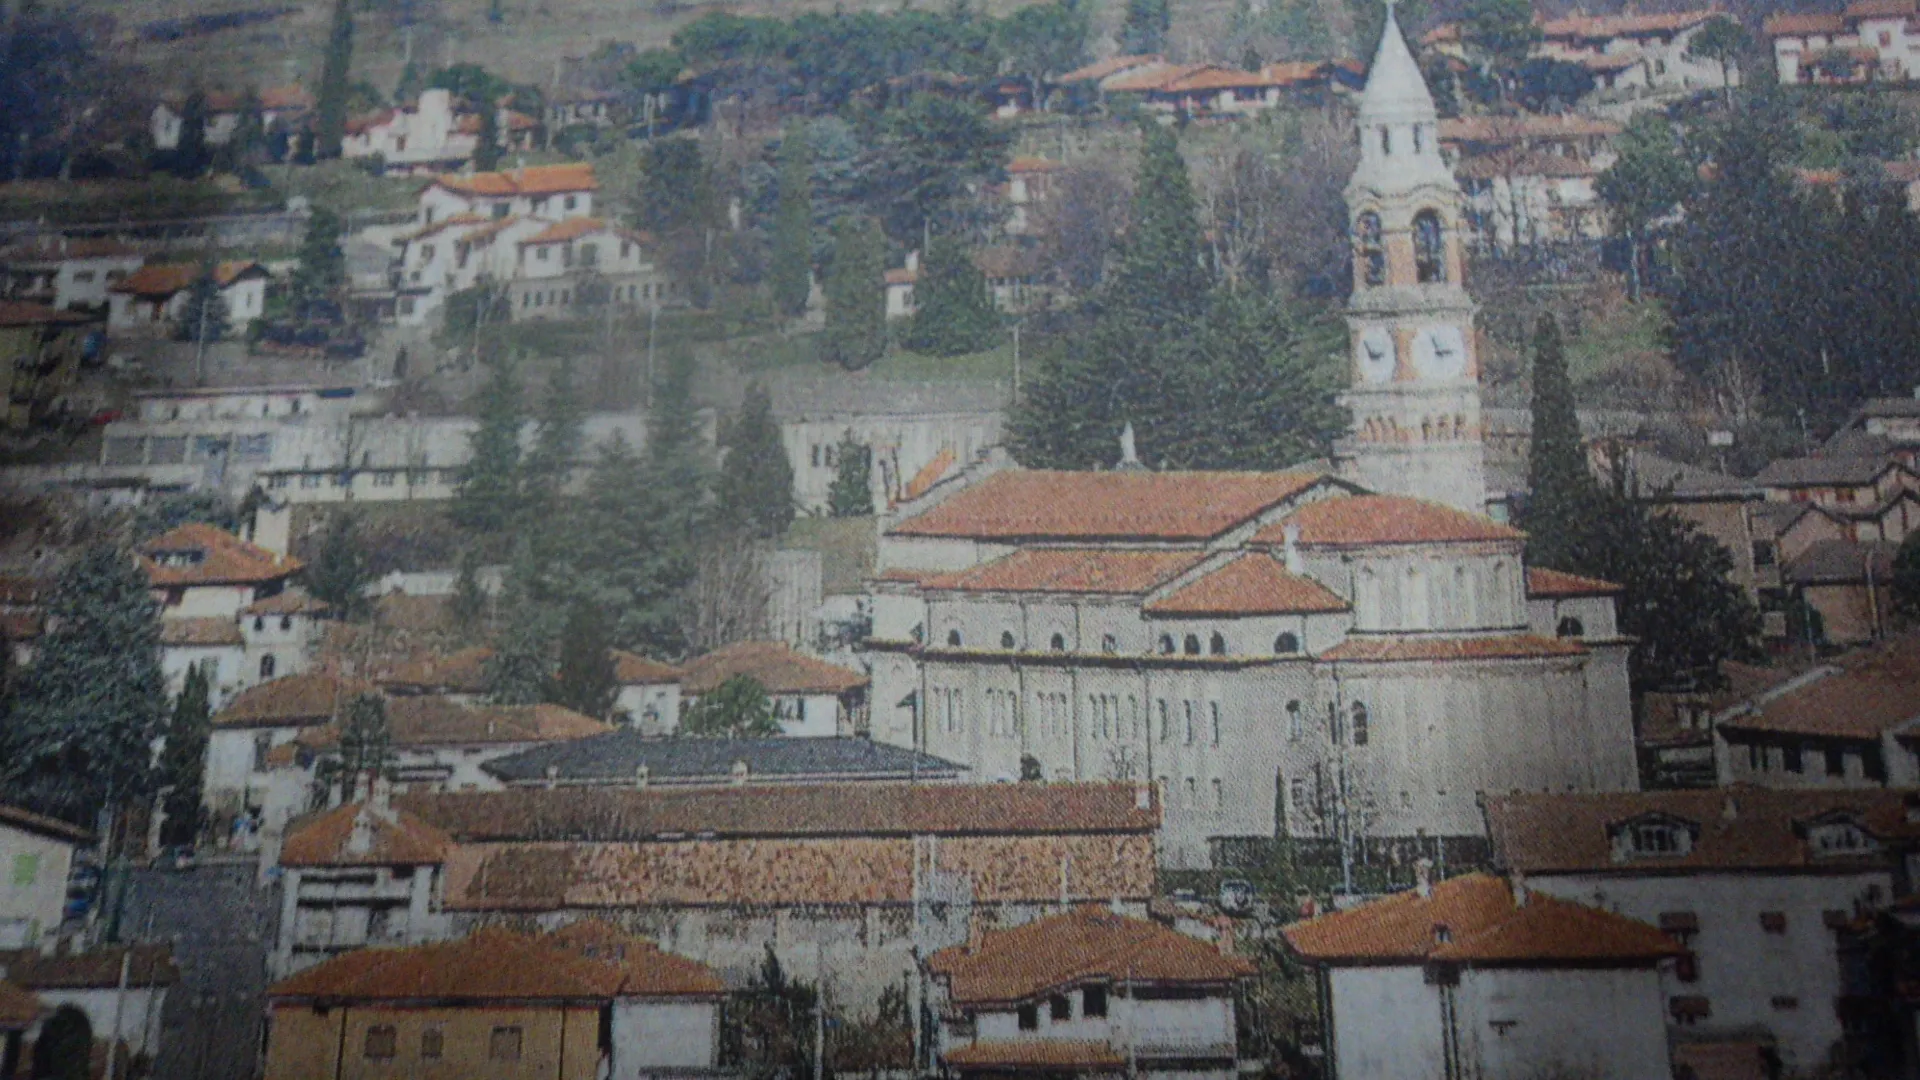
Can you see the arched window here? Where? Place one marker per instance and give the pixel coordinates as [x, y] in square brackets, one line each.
[1429, 248]
[953, 638]
[1192, 645]
[1386, 140]
[1166, 644]
[1217, 644]
[266, 666]
[1570, 627]
[1419, 138]
[1359, 724]
[1372, 249]
[1006, 639]
[1286, 644]
[1058, 643]
[1294, 728]
[1109, 643]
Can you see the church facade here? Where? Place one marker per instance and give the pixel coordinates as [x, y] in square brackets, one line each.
[1356, 655]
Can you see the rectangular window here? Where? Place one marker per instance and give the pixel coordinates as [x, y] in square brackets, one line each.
[1059, 1008]
[1836, 761]
[1773, 922]
[262, 746]
[1219, 795]
[1790, 758]
[504, 1045]
[383, 479]
[1213, 707]
[1193, 797]
[1029, 1018]
[1093, 1001]
[26, 869]
[1187, 709]
[380, 1042]
[433, 1044]
[1163, 719]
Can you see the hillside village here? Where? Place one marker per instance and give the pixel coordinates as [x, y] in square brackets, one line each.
[1316, 540]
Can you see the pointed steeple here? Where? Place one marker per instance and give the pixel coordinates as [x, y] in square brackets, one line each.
[1396, 91]
[1399, 126]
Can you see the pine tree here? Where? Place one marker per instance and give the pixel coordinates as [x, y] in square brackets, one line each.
[1146, 26]
[956, 314]
[520, 671]
[488, 499]
[586, 682]
[1561, 490]
[736, 709]
[190, 155]
[1159, 277]
[248, 137]
[469, 603]
[754, 496]
[634, 560]
[340, 572]
[412, 81]
[330, 108]
[856, 333]
[366, 746]
[322, 266]
[183, 760]
[791, 272]
[486, 149]
[852, 492]
[1905, 581]
[678, 471]
[557, 440]
[79, 738]
[203, 318]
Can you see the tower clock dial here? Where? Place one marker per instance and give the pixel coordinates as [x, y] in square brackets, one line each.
[1440, 352]
[1376, 354]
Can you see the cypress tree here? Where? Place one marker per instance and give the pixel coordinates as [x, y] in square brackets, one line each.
[635, 561]
[755, 491]
[557, 438]
[489, 495]
[183, 760]
[677, 469]
[520, 672]
[366, 744]
[791, 272]
[330, 106]
[469, 603]
[78, 739]
[486, 149]
[1561, 491]
[956, 314]
[248, 137]
[340, 572]
[1905, 581]
[1146, 26]
[856, 294]
[190, 155]
[322, 266]
[203, 317]
[1159, 277]
[852, 492]
[586, 682]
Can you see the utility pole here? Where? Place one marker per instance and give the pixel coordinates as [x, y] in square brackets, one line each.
[119, 1004]
[653, 321]
[819, 1010]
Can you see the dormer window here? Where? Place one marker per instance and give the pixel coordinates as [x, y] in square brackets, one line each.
[1836, 835]
[1654, 836]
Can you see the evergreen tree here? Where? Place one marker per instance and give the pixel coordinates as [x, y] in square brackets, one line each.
[412, 81]
[330, 106]
[678, 472]
[64, 1048]
[557, 442]
[1146, 26]
[1905, 581]
[365, 749]
[1501, 31]
[520, 671]
[852, 492]
[738, 708]
[1722, 40]
[856, 333]
[190, 156]
[677, 190]
[248, 138]
[635, 560]
[488, 499]
[79, 738]
[340, 572]
[956, 314]
[469, 603]
[203, 318]
[1646, 181]
[486, 149]
[1561, 490]
[322, 266]
[183, 760]
[791, 272]
[586, 682]
[1159, 278]
[754, 496]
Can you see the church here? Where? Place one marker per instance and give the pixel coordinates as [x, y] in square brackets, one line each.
[1355, 655]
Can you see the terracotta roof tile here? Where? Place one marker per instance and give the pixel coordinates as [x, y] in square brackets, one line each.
[1553, 584]
[95, 969]
[1253, 584]
[1034, 165]
[288, 601]
[1741, 828]
[1514, 128]
[165, 279]
[285, 97]
[574, 228]
[1045, 1055]
[393, 839]
[1070, 570]
[1475, 920]
[1879, 9]
[220, 558]
[491, 964]
[1088, 944]
[1825, 471]
[26, 313]
[18, 1008]
[462, 672]
[650, 970]
[902, 275]
[1600, 27]
[773, 664]
[1038, 504]
[291, 701]
[632, 669]
[206, 632]
[26, 820]
[1150, 78]
[1507, 647]
[1862, 696]
[1796, 25]
[532, 180]
[1370, 520]
[429, 721]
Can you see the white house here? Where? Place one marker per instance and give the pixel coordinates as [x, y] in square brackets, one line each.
[1852, 723]
[649, 696]
[1478, 977]
[1522, 198]
[201, 571]
[431, 135]
[357, 875]
[1867, 41]
[1753, 884]
[440, 745]
[241, 774]
[153, 296]
[92, 982]
[1088, 992]
[900, 282]
[36, 854]
[810, 697]
[1653, 46]
[915, 432]
[66, 272]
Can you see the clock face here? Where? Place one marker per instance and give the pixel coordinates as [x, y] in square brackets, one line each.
[1376, 355]
[1440, 352]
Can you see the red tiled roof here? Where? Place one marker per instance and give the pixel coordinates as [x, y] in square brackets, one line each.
[929, 474]
[224, 559]
[288, 601]
[437, 721]
[772, 664]
[650, 970]
[394, 839]
[574, 228]
[1475, 920]
[863, 809]
[165, 279]
[1070, 570]
[1040, 504]
[1396, 650]
[285, 97]
[1553, 584]
[95, 969]
[902, 275]
[462, 672]
[1872, 691]
[291, 701]
[27, 313]
[206, 633]
[532, 180]
[1370, 520]
[18, 1008]
[1600, 27]
[1088, 944]
[1253, 584]
[1045, 1055]
[1033, 165]
[1154, 77]
[632, 669]
[1879, 9]
[1532, 126]
[493, 964]
[28, 821]
[1796, 25]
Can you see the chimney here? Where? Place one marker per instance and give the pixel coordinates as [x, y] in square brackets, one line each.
[1423, 878]
[1142, 795]
[1129, 452]
[553, 777]
[360, 840]
[1225, 937]
[1521, 895]
[913, 261]
[976, 934]
[381, 799]
[1290, 549]
[1729, 810]
[739, 773]
[640, 777]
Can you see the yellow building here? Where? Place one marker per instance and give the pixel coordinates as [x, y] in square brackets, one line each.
[578, 1004]
[40, 353]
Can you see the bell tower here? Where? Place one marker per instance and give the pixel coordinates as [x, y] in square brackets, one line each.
[1415, 382]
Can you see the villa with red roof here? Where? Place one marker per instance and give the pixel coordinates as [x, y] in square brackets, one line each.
[1868, 40]
[155, 294]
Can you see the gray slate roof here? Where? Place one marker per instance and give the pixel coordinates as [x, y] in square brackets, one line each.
[1655, 474]
[616, 757]
[1795, 472]
[1841, 562]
